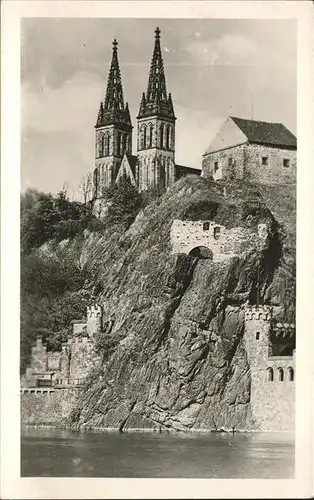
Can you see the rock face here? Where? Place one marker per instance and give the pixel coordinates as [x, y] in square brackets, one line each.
[177, 359]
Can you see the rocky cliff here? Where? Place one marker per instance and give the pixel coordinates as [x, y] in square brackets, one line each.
[173, 357]
[172, 351]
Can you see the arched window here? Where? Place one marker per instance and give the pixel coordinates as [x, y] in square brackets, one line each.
[280, 375]
[150, 136]
[216, 232]
[270, 374]
[119, 141]
[144, 137]
[101, 146]
[257, 336]
[172, 138]
[162, 135]
[168, 137]
[107, 145]
[291, 374]
[124, 138]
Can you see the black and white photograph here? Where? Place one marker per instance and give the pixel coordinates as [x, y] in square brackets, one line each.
[157, 244]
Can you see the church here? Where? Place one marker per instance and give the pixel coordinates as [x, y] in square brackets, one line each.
[154, 164]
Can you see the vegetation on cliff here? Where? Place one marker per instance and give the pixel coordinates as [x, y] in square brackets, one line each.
[163, 367]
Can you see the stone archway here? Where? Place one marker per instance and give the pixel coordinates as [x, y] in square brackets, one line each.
[201, 252]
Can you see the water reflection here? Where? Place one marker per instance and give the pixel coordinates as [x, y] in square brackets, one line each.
[61, 453]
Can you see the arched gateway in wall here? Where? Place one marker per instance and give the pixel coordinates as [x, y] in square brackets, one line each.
[201, 252]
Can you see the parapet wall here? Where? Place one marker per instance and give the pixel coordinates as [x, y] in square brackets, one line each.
[223, 243]
[48, 408]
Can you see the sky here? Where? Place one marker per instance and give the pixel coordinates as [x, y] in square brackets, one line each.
[214, 68]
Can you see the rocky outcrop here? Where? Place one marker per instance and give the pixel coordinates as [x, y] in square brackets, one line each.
[179, 360]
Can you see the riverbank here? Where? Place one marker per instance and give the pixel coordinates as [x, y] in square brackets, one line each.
[75, 428]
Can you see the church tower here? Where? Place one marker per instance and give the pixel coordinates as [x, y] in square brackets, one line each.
[113, 129]
[156, 128]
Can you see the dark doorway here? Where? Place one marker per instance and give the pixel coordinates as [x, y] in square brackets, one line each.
[201, 253]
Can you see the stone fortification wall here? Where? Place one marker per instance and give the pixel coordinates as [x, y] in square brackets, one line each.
[48, 408]
[82, 357]
[223, 243]
[246, 162]
[272, 377]
[79, 327]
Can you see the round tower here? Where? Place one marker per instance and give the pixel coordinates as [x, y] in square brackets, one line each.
[94, 320]
[257, 334]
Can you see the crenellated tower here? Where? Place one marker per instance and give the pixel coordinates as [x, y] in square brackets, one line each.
[94, 320]
[113, 129]
[156, 128]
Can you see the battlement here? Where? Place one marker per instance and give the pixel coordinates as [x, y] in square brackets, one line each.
[283, 330]
[94, 311]
[39, 344]
[78, 340]
[262, 313]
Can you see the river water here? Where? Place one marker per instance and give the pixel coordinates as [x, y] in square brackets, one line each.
[59, 453]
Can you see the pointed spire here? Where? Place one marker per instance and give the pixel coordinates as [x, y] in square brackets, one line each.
[170, 103]
[100, 115]
[113, 110]
[155, 100]
[143, 103]
[114, 93]
[156, 90]
[127, 111]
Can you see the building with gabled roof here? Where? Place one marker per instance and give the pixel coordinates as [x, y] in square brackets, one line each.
[154, 164]
[253, 150]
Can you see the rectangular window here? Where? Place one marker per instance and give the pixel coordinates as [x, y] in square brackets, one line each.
[215, 166]
[286, 162]
[206, 226]
[264, 160]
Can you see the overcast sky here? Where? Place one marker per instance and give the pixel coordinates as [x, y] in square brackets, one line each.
[214, 68]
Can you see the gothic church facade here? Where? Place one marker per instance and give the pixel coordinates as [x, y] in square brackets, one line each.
[154, 164]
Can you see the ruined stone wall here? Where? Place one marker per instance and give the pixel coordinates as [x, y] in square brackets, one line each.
[223, 243]
[51, 408]
[272, 377]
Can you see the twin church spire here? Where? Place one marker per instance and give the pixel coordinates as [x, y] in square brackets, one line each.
[154, 163]
[112, 109]
[156, 101]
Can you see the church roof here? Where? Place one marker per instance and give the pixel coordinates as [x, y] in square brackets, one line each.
[156, 101]
[271, 134]
[181, 170]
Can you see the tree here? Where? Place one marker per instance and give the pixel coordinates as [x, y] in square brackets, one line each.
[86, 188]
[124, 202]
